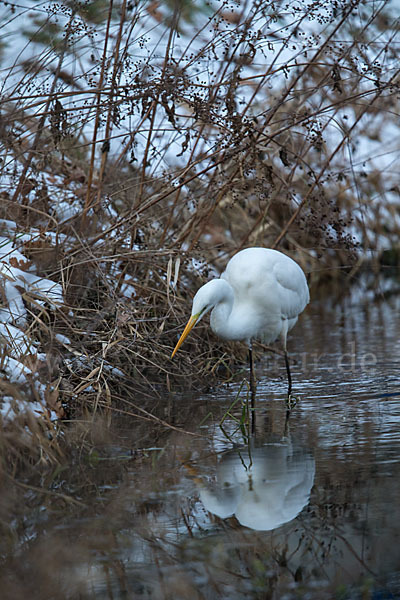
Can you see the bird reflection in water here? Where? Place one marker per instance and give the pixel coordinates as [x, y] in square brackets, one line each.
[264, 487]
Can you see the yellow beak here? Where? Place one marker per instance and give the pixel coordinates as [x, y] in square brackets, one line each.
[189, 326]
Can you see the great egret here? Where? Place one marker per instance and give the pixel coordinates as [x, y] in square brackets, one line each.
[259, 296]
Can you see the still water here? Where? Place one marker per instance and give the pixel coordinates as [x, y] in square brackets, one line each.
[307, 507]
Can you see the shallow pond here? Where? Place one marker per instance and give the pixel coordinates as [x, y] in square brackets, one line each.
[307, 507]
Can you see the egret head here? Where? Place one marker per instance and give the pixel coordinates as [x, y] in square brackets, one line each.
[208, 296]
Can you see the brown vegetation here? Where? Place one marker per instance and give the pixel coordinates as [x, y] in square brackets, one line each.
[125, 160]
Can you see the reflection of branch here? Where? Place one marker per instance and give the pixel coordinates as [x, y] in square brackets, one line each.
[326, 548]
[46, 492]
[354, 553]
[146, 416]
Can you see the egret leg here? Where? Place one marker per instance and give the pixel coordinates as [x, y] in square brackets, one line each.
[291, 400]
[289, 375]
[253, 383]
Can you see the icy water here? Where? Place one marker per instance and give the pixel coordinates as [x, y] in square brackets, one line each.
[307, 507]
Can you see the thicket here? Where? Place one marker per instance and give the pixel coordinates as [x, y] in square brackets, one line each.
[144, 142]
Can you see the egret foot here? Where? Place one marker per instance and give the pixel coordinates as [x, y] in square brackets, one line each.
[291, 401]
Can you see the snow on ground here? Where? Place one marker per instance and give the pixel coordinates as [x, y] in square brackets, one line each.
[19, 286]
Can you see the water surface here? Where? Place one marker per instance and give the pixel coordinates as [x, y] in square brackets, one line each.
[307, 507]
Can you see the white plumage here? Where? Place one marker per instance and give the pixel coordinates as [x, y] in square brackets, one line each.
[259, 296]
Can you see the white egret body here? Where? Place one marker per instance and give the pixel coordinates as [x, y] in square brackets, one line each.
[259, 296]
